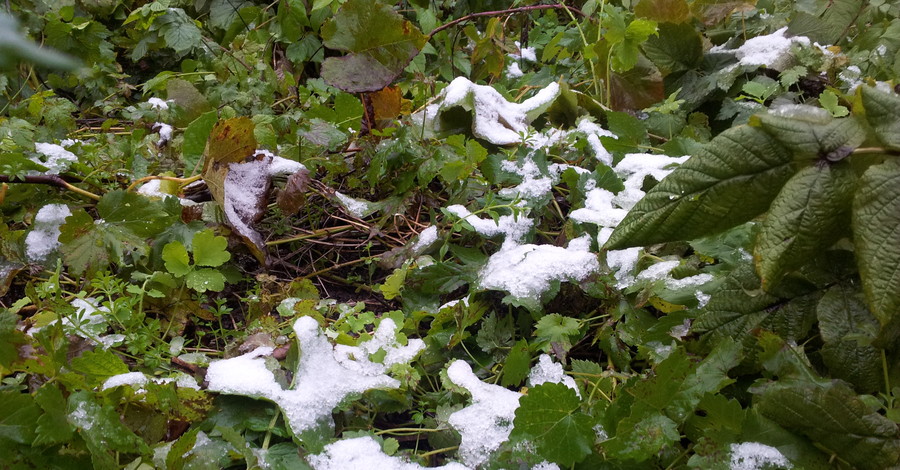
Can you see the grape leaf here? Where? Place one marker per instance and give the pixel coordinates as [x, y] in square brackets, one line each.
[549, 417]
[731, 180]
[379, 41]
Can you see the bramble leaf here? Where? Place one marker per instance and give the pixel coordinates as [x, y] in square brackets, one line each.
[52, 427]
[809, 214]
[876, 235]
[548, 415]
[516, 367]
[731, 180]
[882, 111]
[379, 41]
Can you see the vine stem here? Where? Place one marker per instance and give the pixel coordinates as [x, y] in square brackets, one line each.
[501, 13]
[181, 181]
[52, 180]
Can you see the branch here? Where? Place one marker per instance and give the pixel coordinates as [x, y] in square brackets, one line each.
[501, 13]
[52, 180]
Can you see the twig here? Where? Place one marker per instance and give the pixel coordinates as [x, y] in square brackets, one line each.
[500, 13]
[52, 180]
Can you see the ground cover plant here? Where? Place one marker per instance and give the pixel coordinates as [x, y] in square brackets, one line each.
[368, 234]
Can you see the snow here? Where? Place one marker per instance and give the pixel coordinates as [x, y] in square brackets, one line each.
[134, 379]
[526, 271]
[496, 120]
[153, 189]
[165, 133]
[545, 466]
[547, 371]
[534, 185]
[512, 227]
[356, 207]
[486, 423]
[82, 417]
[44, 236]
[513, 70]
[364, 452]
[771, 50]
[593, 131]
[756, 456]
[426, 238]
[325, 376]
[54, 157]
[658, 271]
[245, 186]
[157, 103]
[525, 53]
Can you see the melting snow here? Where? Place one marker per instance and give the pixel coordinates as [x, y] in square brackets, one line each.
[134, 379]
[157, 103]
[325, 376]
[165, 133]
[756, 456]
[426, 238]
[496, 120]
[548, 371]
[356, 207]
[513, 227]
[54, 157]
[364, 452]
[152, 188]
[44, 236]
[526, 53]
[513, 70]
[486, 423]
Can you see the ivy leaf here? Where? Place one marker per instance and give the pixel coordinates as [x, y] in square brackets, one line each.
[883, 114]
[202, 280]
[177, 259]
[731, 180]
[808, 216]
[549, 417]
[210, 249]
[876, 235]
[831, 414]
[848, 329]
[52, 426]
[380, 42]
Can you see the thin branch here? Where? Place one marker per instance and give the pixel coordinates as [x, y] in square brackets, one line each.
[52, 180]
[501, 13]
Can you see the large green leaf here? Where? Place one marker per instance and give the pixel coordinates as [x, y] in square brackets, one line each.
[10, 338]
[550, 418]
[379, 41]
[52, 427]
[102, 430]
[677, 48]
[882, 111]
[140, 215]
[832, 415]
[812, 133]
[848, 328]
[876, 235]
[809, 214]
[89, 245]
[831, 25]
[18, 414]
[731, 180]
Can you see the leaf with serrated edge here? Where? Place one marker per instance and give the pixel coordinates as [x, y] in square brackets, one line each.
[809, 214]
[812, 132]
[882, 111]
[876, 235]
[731, 180]
[176, 258]
[549, 416]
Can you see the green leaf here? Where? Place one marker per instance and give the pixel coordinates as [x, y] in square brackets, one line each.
[380, 42]
[98, 365]
[882, 111]
[677, 48]
[292, 19]
[52, 426]
[10, 338]
[102, 430]
[809, 214]
[829, 101]
[18, 414]
[195, 136]
[17, 48]
[202, 280]
[832, 24]
[179, 31]
[832, 415]
[876, 236]
[210, 249]
[517, 365]
[710, 376]
[548, 416]
[731, 180]
[87, 244]
[848, 329]
[642, 437]
[139, 215]
[176, 257]
[393, 284]
[663, 11]
[555, 328]
[811, 133]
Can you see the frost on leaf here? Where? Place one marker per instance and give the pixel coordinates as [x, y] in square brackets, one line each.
[364, 452]
[486, 423]
[494, 119]
[325, 376]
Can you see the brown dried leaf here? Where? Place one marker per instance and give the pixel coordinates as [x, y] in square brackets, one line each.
[294, 194]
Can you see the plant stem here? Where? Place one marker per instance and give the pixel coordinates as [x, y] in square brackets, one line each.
[501, 13]
[437, 451]
[52, 180]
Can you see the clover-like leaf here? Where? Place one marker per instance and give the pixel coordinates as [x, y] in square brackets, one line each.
[176, 257]
[549, 417]
[202, 280]
[210, 249]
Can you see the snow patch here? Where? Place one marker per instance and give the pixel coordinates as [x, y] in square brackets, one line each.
[134, 379]
[44, 236]
[426, 238]
[486, 423]
[356, 207]
[325, 376]
[165, 133]
[756, 456]
[548, 371]
[364, 452]
[158, 103]
[512, 227]
[54, 157]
